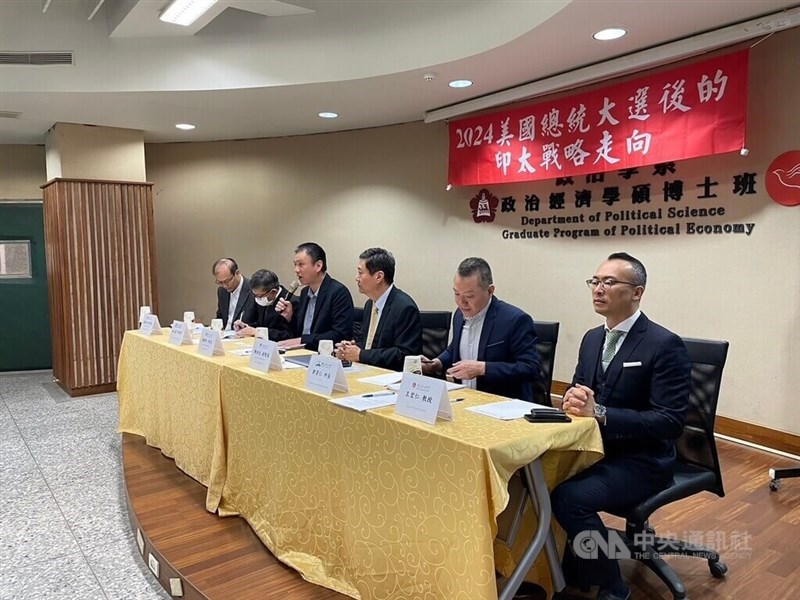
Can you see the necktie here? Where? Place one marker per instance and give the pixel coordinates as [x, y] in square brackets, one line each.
[610, 347]
[373, 326]
[309, 318]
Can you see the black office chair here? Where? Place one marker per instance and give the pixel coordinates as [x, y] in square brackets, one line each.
[358, 316]
[696, 470]
[546, 340]
[435, 331]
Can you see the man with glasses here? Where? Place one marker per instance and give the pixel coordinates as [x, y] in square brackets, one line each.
[233, 294]
[633, 376]
[266, 289]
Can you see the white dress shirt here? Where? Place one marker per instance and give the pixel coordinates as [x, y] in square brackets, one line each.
[471, 339]
[233, 302]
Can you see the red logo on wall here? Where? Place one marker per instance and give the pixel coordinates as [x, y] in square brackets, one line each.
[484, 207]
[783, 179]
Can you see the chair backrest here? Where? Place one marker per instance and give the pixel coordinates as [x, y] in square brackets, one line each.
[358, 316]
[546, 341]
[435, 331]
[697, 446]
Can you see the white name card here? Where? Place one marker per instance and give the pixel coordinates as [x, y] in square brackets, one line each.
[265, 356]
[423, 398]
[180, 334]
[210, 343]
[150, 325]
[324, 374]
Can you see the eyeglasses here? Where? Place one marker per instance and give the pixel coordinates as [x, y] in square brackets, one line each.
[226, 281]
[606, 283]
[265, 294]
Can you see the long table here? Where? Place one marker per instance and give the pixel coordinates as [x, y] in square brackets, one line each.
[373, 505]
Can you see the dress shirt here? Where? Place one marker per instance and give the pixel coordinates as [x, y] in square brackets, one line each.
[625, 327]
[471, 339]
[234, 300]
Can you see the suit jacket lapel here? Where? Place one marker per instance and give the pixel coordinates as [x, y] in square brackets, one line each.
[458, 327]
[629, 345]
[242, 296]
[594, 349]
[385, 313]
[486, 330]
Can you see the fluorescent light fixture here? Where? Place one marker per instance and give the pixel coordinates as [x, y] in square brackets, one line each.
[185, 126]
[328, 115]
[625, 65]
[612, 33]
[185, 12]
[460, 83]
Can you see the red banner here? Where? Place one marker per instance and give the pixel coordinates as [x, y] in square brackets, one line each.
[690, 111]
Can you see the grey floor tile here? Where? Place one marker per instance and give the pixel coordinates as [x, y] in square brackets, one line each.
[122, 572]
[11, 383]
[64, 578]
[68, 458]
[33, 529]
[19, 474]
[96, 511]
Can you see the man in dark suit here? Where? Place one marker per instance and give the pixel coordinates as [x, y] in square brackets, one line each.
[233, 293]
[325, 308]
[634, 377]
[391, 328]
[494, 343]
[266, 290]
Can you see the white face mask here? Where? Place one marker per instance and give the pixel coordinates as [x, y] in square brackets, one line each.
[263, 301]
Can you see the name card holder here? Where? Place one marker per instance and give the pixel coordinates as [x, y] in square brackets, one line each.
[210, 343]
[423, 398]
[265, 356]
[325, 374]
[150, 325]
[180, 334]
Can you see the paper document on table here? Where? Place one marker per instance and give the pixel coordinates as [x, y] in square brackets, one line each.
[364, 402]
[242, 352]
[505, 411]
[385, 379]
[450, 386]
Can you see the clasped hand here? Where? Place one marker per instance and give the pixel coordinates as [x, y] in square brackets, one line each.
[579, 401]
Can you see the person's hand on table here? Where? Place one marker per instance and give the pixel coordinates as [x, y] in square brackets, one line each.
[467, 369]
[430, 365]
[289, 343]
[239, 324]
[245, 331]
[348, 350]
[579, 401]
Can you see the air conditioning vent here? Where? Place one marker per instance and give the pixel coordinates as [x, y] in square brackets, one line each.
[9, 114]
[36, 59]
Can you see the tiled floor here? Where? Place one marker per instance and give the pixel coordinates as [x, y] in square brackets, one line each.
[64, 530]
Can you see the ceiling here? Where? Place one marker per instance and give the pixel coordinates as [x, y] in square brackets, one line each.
[264, 68]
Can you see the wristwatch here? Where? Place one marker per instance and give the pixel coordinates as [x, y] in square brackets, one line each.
[600, 413]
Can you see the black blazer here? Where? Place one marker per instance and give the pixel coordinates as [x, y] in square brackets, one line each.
[246, 300]
[508, 346]
[399, 332]
[265, 316]
[646, 390]
[333, 314]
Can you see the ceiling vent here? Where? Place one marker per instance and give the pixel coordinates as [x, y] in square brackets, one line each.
[9, 114]
[36, 59]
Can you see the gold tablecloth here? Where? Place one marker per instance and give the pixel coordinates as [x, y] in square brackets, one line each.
[372, 504]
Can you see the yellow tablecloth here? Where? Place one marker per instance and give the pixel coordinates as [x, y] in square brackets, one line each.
[370, 504]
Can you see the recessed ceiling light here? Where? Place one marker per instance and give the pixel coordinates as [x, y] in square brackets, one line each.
[185, 12]
[185, 126]
[612, 33]
[328, 115]
[460, 83]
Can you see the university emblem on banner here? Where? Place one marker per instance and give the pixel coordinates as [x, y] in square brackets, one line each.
[484, 206]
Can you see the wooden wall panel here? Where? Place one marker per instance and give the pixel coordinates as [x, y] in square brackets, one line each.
[101, 267]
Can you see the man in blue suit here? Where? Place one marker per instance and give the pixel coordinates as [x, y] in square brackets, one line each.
[325, 308]
[633, 376]
[494, 343]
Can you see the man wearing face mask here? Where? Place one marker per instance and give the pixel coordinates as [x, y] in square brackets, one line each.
[266, 289]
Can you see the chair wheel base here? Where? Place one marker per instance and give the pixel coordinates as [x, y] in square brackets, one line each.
[775, 485]
[718, 569]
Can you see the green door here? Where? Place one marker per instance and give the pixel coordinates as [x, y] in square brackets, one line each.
[24, 314]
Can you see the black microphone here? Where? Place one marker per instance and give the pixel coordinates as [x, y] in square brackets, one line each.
[290, 292]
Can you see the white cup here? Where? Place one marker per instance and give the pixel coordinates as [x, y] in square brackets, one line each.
[325, 347]
[412, 364]
[262, 332]
[143, 312]
[188, 316]
[216, 324]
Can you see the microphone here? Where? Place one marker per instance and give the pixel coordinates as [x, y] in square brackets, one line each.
[290, 292]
